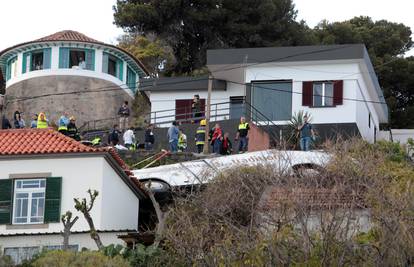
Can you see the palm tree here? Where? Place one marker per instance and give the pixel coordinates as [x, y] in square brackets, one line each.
[295, 122]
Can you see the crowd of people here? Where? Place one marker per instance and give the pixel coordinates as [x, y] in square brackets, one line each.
[66, 125]
[219, 140]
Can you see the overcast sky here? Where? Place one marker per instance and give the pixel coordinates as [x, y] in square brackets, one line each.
[26, 20]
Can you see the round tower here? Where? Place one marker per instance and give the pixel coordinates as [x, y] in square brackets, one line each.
[68, 71]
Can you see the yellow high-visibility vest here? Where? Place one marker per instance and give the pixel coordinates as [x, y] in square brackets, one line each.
[42, 124]
[243, 126]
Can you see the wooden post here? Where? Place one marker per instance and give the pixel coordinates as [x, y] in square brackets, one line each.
[209, 89]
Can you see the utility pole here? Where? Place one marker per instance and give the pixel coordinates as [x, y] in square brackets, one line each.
[209, 89]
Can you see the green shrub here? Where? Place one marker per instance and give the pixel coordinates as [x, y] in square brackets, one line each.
[59, 258]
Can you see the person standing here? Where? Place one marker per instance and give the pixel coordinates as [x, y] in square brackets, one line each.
[33, 123]
[5, 123]
[73, 130]
[182, 141]
[63, 123]
[42, 122]
[149, 137]
[172, 136]
[18, 121]
[196, 108]
[200, 136]
[113, 138]
[217, 139]
[129, 138]
[226, 146]
[242, 135]
[306, 134]
[123, 112]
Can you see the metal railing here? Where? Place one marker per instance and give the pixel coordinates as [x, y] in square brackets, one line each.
[218, 112]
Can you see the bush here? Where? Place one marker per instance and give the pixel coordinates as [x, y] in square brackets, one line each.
[59, 258]
[224, 225]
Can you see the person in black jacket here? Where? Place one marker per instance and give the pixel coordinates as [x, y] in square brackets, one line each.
[73, 130]
[226, 146]
[123, 113]
[5, 123]
[113, 138]
[149, 137]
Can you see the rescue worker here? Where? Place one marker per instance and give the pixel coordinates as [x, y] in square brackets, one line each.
[73, 130]
[200, 136]
[242, 134]
[63, 124]
[182, 141]
[42, 122]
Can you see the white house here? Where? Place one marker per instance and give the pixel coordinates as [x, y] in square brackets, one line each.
[335, 83]
[41, 171]
[69, 71]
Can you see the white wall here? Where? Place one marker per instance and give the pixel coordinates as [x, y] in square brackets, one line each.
[165, 100]
[120, 206]
[79, 175]
[300, 72]
[83, 240]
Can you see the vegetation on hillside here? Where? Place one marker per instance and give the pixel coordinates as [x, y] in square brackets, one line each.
[180, 32]
[256, 216]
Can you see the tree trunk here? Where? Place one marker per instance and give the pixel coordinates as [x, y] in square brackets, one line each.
[94, 234]
[67, 225]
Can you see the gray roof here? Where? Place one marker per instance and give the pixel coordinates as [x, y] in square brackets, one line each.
[285, 54]
[240, 56]
[179, 83]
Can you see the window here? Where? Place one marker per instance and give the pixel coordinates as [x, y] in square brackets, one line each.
[29, 201]
[11, 71]
[131, 79]
[236, 107]
[113, 66]
[36, 60]
[76, 58]
[323, 94]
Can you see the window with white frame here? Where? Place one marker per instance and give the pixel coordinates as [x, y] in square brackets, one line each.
[323, 93]
[29, 201]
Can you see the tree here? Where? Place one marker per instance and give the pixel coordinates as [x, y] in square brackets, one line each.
[190, 27]
[386, 42]
[152, 51]
[67, 225]
[85, 207]
[397, 81]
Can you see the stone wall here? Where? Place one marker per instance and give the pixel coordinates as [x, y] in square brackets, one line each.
[95, 98]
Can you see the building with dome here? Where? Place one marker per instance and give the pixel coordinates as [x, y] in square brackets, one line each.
[69, 71]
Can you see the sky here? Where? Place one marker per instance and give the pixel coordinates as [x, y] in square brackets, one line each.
[26, 20]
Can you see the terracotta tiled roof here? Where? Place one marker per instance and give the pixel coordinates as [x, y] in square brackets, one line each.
[67, 36]
[47, 141]
[38, 141]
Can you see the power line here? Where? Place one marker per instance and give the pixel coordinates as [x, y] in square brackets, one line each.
[117, 87]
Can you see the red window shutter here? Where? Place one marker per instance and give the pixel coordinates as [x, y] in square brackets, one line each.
[338, 92]
[307, 92]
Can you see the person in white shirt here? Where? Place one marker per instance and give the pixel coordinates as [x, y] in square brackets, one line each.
[82, 64]
[129, 138]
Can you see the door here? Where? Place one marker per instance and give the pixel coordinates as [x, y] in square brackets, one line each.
[273, 99]
[183, 109]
